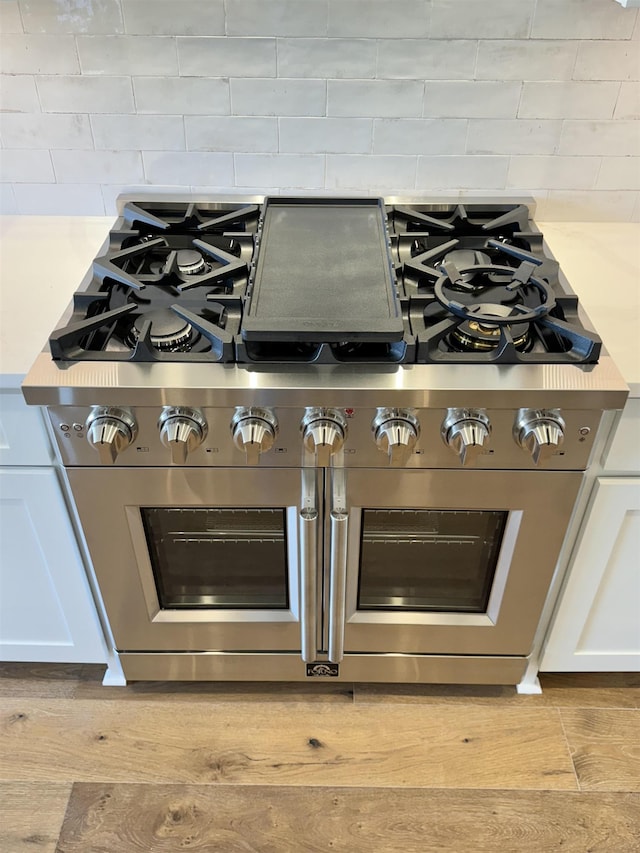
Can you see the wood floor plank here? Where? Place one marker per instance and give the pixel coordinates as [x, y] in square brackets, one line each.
[31, 815]
[217, 691]
[279, 743]
[43, 680]
[605, 748]
[559, 690]
[257, 819]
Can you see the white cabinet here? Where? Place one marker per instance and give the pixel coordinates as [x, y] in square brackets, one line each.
[46, 608]
[596, 627]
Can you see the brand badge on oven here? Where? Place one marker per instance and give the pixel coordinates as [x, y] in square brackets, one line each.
[323, 670]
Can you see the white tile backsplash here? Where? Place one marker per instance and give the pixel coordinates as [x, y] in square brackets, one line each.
[513, 136]
[278, 97]
[553, 172]
[182, 95]
[132, 55]
[138, 132]
[305, 171]
[461, 173]
[462, 97]
[168, 18]
[385, 98]
[526, 60]
[232, 133]
[471, 19]
[581, 19]
[59, 199]
[619, 173]
[325, 135]
[10, 20]
[38, 54]
[379, 18]
[46, 130]
[607, 60]
[426, 59]
[628, 104]
[472, 99]
[419, 136]
[568, 99]
[277, 17]
[18, 94]
[71, 16]
[227, 57]
[103, 167]
[186, 168]
[30, 166]
[587, 206]
[80, 94]
[614, 138]
[372, 174]
[327, 57]
[8, 203]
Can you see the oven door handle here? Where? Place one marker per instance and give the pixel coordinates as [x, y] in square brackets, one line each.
[308, 564]
[339, 520]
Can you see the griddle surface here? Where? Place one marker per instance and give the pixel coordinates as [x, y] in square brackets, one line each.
[323, 274]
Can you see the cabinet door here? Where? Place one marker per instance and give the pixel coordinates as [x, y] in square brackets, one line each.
[597, 625]
[46, 609]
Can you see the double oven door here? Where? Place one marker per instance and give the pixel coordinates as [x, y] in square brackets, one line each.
[323, 563]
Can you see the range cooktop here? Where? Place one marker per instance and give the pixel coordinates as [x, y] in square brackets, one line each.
[323, 281]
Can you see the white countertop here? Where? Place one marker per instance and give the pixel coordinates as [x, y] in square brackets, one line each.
[43, 259]
[601, 261]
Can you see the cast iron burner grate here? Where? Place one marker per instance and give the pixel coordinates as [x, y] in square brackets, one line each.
[473, 282]
[152, 302]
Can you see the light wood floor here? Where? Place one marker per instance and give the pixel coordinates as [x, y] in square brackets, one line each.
[237, 768]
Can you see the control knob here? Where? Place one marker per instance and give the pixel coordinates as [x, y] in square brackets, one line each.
[181, 430]
[540, 431]
[110, 430]
[254, 430]
[396, 432]
[323, 433]
[467, 433]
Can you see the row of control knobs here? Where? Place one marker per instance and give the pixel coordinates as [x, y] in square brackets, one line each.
[467, 432]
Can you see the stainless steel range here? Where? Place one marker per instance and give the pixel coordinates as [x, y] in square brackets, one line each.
[324, 438]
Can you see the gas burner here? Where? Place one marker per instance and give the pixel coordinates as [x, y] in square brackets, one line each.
[191, 262]
[466, 258]
[530, 306]
[169, 332]
[475, 335]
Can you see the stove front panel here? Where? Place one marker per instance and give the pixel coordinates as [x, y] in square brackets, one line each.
[360, 450]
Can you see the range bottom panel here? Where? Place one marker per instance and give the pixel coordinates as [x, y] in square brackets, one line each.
[408, 669]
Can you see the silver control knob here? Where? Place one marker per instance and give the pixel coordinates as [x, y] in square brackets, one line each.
[254, 430]
[323, 433]
[110, 430]
[539, 431]
[467, 433]
[181, 430]
[396, 432]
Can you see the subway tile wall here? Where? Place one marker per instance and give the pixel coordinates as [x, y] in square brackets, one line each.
[410, 97]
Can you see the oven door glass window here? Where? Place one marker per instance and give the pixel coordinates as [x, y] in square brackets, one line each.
[428, 560]
[218, 558]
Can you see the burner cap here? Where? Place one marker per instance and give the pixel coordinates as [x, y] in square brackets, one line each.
[465, 258]
[190, 262]
[481, 335]
[169, 332]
